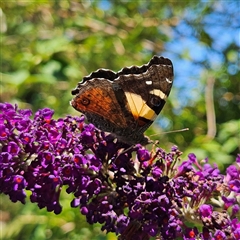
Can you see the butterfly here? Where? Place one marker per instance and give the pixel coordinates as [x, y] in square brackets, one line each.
[125, 103]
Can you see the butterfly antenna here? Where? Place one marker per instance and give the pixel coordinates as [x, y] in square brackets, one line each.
[173, 131]
[125, 150]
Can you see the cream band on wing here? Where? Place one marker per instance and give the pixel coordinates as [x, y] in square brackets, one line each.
[138, 107]
[159, 93]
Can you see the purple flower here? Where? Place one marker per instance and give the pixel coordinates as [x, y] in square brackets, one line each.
[11, 148]
[228, 202]
[205, 211]
[143, 155]
[3, 132]
[190, 233]
[234, 185]
[44, 114]
[232, 172]
[235, 210]
[206, 234]
[156, 172]
[219, 235]
[235, 224]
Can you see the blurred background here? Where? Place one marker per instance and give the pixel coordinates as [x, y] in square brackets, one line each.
[47, 47]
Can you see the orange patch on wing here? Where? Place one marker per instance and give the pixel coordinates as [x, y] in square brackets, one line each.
[99, 102]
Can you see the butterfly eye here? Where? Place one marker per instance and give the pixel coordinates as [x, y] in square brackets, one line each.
[85, 101]
[155, 101]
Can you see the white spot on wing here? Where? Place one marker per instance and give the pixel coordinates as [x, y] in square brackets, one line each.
[168, 80]
[149, 82]
[159, 93]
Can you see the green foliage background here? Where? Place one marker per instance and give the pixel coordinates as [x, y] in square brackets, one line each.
[48, 46]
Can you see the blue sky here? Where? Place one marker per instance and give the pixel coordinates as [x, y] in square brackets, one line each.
[221, 27]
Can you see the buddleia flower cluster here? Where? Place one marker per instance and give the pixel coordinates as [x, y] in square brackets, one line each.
[136, 193]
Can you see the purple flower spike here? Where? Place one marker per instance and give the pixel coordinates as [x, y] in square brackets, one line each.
[131, 191]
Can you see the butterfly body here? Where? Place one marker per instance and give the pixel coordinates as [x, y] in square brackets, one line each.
[127, 102]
